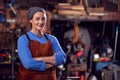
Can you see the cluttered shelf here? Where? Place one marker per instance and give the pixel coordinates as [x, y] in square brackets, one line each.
[67, 11]
[109, 16]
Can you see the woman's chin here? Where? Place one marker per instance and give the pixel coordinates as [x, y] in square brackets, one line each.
[39, 29]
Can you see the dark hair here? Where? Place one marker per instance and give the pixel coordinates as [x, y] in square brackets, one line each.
[33, 10]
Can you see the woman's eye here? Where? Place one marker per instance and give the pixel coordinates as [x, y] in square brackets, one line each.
[37, 18]
[43, 18]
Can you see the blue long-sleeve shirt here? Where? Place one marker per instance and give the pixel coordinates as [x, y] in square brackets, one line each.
[25, 55]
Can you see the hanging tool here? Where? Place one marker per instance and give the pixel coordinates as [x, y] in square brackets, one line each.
[115, 46]
[10, 4]
[11, 7]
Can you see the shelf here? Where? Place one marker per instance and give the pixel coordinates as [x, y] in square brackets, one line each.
[107, 17]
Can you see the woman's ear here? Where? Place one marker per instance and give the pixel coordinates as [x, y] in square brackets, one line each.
[30, 21]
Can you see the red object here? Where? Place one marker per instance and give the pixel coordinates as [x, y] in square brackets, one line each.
[76, 74]
[3, 54]
[79, 53]
[82, 77]
[104, 59]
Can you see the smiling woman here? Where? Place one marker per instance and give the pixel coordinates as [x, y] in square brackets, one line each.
[38, 51]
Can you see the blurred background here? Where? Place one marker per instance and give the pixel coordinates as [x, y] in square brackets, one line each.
[83, 27]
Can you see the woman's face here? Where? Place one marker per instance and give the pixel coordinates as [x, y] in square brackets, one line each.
[38, 21]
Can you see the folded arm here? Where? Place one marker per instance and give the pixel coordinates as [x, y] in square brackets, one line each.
[50, 61]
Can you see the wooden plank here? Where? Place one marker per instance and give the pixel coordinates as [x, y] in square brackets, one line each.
[71, 7]
[71, 12]
[100, 9]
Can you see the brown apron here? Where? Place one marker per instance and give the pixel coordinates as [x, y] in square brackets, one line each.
[38, 50]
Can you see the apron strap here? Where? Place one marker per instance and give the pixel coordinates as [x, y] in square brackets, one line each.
[46, 37]
[27, 36]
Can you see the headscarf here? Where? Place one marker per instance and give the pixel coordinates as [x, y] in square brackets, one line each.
[33, 10]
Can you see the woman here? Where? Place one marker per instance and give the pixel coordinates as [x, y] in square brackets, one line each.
[39, 52]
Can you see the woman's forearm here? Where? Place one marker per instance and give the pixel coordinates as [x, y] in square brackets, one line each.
[49, 59]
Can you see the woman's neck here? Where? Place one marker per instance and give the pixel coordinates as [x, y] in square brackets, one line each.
[39, 33]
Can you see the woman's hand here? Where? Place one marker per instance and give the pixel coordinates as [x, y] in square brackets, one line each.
[38, 58]
[48, 60]
[49, 66]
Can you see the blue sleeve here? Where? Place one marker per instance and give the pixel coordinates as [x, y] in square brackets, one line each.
[25, 55]
[60, 56]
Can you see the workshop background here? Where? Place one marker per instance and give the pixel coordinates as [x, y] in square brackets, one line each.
[88, 31]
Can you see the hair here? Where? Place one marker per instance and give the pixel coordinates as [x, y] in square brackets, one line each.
[33, 10]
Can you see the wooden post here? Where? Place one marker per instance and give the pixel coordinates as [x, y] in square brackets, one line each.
[118, 5]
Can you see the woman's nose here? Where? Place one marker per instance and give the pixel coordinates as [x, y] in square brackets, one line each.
[41, 21]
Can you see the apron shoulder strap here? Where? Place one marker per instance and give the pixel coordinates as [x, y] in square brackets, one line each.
[27, 36]
[46, 37]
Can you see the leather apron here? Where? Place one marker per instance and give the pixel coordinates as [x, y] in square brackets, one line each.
[38, 50]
